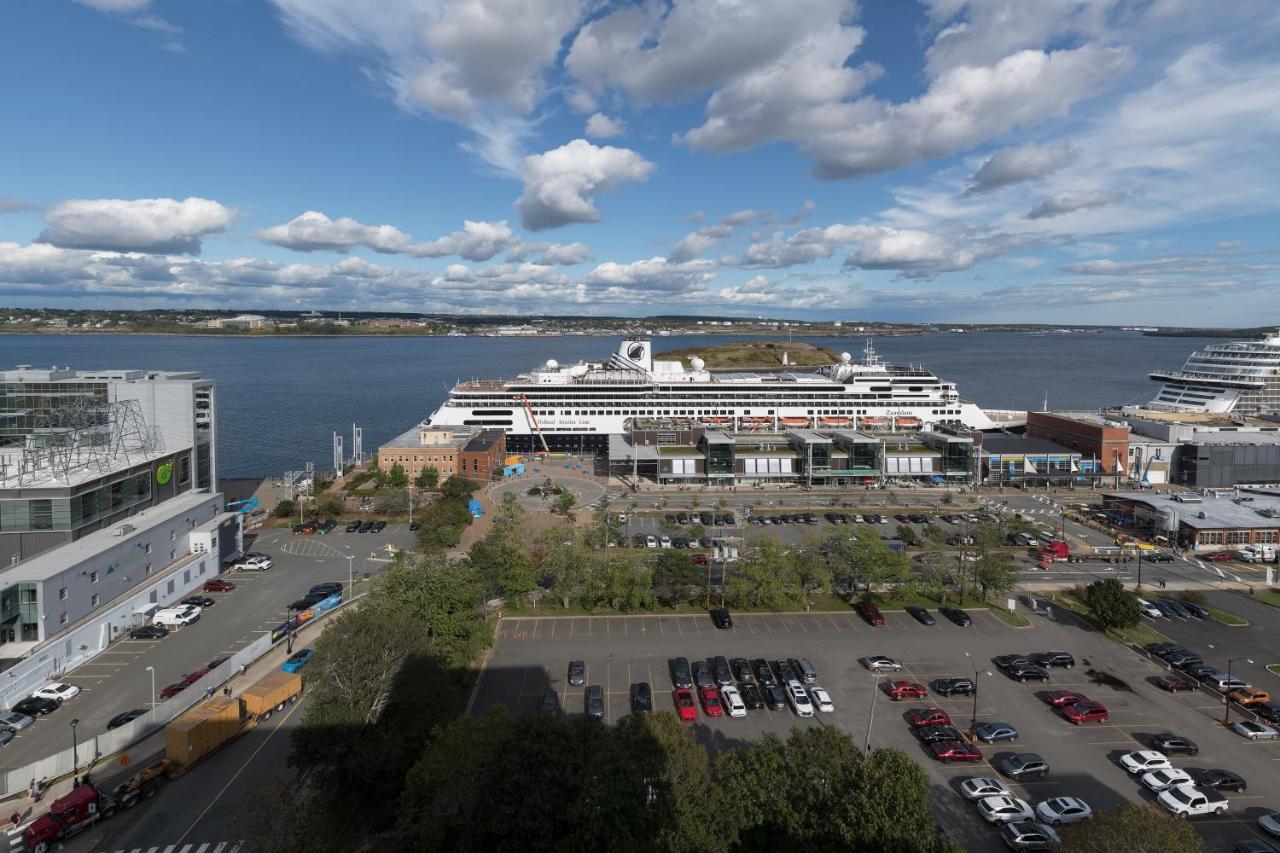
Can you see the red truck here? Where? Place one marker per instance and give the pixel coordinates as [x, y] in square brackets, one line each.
[86, 805]
[1054, 551]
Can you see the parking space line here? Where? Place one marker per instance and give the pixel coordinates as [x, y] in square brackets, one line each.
[534, 635]
[553, 628]
[832, 620]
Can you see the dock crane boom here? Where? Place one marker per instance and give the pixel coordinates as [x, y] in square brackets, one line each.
[534, 420]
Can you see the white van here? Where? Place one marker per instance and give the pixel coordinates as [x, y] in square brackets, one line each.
[799, 700]
[173, 617]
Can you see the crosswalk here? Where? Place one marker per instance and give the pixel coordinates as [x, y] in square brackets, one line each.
[16, 846]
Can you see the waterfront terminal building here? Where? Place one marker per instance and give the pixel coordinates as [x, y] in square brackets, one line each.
[109, 510]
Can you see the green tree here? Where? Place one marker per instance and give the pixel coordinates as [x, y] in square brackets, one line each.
[996, 573]
[284, 509]
[764, 577]
[428, 479]
[1112, 605]
[330, 504]
[907, 534]
[444, 598]
[675, 579]
[1131, 828]
[458, 488]
[396, 477]
[564, 503]
[389, 500]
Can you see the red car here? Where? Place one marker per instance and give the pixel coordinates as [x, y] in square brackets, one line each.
[1086, 712]
[954, 750]
[699, 559]
[193, 677]
[218, 585]
[1063, 698]
[1174, 683]
[685, 706]
[174, 689]
[1220, 557]
[870, 612]
[905, 690]
[921, 717]
[711, 702]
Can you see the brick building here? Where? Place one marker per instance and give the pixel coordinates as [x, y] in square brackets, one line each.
[424, 447]
[1090, 435]
[483, 455]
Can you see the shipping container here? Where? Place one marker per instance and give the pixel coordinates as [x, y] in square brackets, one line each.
[202, 730]
[271, 693]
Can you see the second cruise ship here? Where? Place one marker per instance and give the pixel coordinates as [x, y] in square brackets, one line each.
[579, 406]
[1240, 377]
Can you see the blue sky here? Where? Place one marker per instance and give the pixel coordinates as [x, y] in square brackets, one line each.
[1099, 161]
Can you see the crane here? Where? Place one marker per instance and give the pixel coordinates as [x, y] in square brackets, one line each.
[533, 420]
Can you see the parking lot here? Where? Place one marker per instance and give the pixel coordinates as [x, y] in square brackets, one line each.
[531, 656]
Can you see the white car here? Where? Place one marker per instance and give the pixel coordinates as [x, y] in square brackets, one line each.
[822, 699]
[882, 663]
[980, 787]
[1004, 809]
[1160, 780]
[173, 617]
[1060, 810]
[1144, 761]
[799, 699]
[1254, 731]
[253, 563]
[733, 701]
[666, 542]
[57, 692]
[1149, 609]
[650, 542]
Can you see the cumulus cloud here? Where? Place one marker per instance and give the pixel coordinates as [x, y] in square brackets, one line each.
[559, 184]
[653, 274]
[479, 63]
[914, 252]
[1070, 202]
[477, 241]
[600, 126]
[13, 204]
[1019, 163]
[313, 231]
[155, 225]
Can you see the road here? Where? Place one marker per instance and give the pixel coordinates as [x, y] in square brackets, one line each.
[117, 680]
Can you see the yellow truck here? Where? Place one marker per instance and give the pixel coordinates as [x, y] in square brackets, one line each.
[215, 722]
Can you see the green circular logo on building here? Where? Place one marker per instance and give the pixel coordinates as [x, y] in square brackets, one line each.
[164, 473]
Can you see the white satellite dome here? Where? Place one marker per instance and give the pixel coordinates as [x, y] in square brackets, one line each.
[845, 358]
[578, 370]
[552, 364]
[697, 363]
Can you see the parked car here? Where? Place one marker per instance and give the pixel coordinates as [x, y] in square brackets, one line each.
[1169, 777]
[799, 700]
[127, 717]
[1247, 696]
[702, 674]
[685, 706]
[297, 660]
[1063, 698]
[681, 673]
[1219, 780]
[149, 632]
[954, 686]
[1023, 765]
[924, 617]
[1029, 836]
[905, 690]
[593, 700]
[57, 691]
[981, 787]
[326, 589]
[732, 701]
[1270, 823]
[995, 732]
[218, 585]
[763, 673]
[956, 615]
[173, 689]
[720, 671]
[920, 717]
[201, 601]
[954, 750]
[1144, 761]
[641, 698]
[870, 613]
[937, 734]
[1175, 683]
[821, 700]
[578, 672]
[15, 722]
[1004, 809]
[882, 663]
[751, 695]
[775, 697]
[1059, 810]
[1086, 712]
[352, 526]
[1172, 744]
[710, 702]
[1247, 728]
[172, 617]
[721, 618]
[1064, 660]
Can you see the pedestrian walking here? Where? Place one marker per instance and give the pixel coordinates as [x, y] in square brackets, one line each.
[208, 692]
[31, 788]
[242, 669]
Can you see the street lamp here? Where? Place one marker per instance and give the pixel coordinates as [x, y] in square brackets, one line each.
[351, 584]
[152, 670]
[973, 719]
[75, 755]
[871, 718]
[1226, 717]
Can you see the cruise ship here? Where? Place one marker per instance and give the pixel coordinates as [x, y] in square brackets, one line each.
[578, 406]
[1241, 377]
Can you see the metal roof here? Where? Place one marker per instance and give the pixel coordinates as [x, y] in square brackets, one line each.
[1219, 512]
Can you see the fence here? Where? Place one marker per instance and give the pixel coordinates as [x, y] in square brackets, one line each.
[89, 751]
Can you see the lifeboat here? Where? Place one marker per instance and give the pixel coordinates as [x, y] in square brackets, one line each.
[909, 422]
[834, 422]
[794, 421]
[873, 422]
[757, 420]
[717, 421]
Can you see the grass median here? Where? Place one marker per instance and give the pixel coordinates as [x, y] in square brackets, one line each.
[1229, 619]
[1139, 634]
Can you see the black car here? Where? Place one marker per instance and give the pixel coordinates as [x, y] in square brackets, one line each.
[217, 662]
[352, 526]
[1048, 659]
[1186, 661]
[1200, 670]
[1197, 610]
[936, 734]
[956, 615]
[1158, 557]
[328, 588]
[1160, 650]
[127, 717]
[954, 687]
[720, 617]
[34, 706]
[751, 696]
[1171, 744]
[1006, 661]
[550, 704]
[741, 669]
[1180, 658]
[379, 527]
[199, 601]
[1269, 711]
[682, 518]
[1025, 672]
[415, 527]
[775, 697]
[1221, 780]
[785, 672]
[578, 672]
[641, 698]
[366, 527]
[669, 518]
[594, 701]
[307, 600]
[702, 674]
[149, 632]
[924, 617]
[720, 671]
[763, 673]
[681, 674]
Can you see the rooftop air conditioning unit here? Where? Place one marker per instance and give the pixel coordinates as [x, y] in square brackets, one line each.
[123, 530]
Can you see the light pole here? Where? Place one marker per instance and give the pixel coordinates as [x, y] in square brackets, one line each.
[1226, 717]
[410, 489]
[871, 718]
[75, 755]
[973, 719]
[152, 670]
[351, 584]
